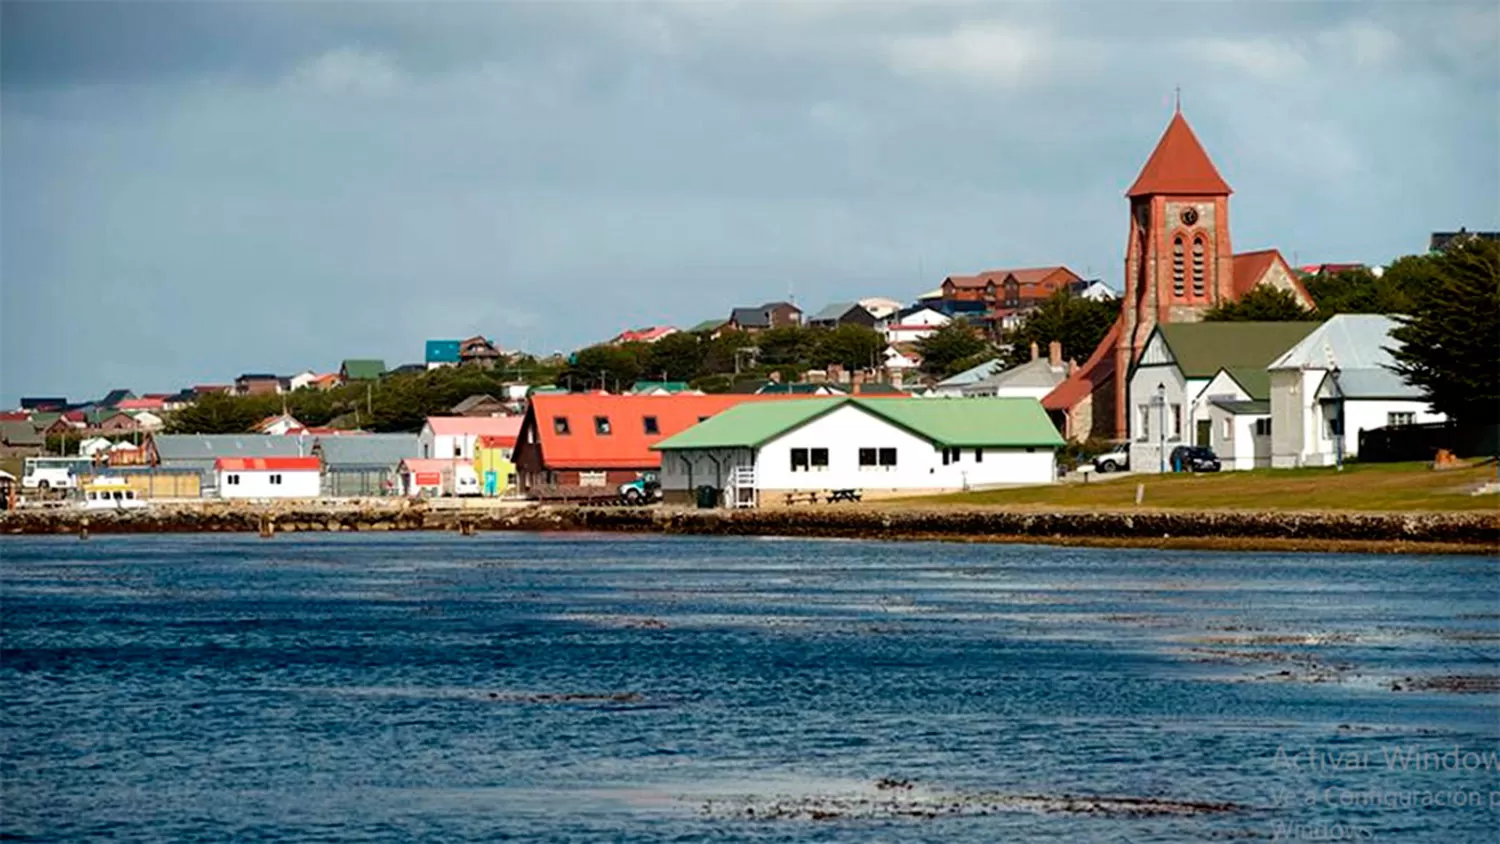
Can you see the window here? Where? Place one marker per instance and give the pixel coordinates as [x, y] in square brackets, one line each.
[601, 425]
[1400, 419]
[1176, 421]
[702, 418]
[870, 458]
[888, 457]
[867, 457]
[1228, 429]
[275, 480]
[978, 455]
[1198, 267]
[560, 425]
[820, 459]
[1177, 258]
[951, 455]
[799, 460]
[458, 449]
[1145, 426]
[650, 426]
[232, 480]
[1263, 427]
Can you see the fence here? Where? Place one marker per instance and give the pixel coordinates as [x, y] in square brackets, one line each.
[1421, 442]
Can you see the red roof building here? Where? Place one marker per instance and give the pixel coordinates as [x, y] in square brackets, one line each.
[1179, 264]
[268, 464]
[148, 403]
[597, 441]
[644, 335]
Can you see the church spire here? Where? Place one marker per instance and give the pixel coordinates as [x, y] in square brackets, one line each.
[1179, 165]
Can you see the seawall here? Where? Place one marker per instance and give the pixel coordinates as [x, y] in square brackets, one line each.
[1457, 532]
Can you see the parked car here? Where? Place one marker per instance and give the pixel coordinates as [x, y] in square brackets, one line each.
[643, 490]
[1113, 460]
[1194, 458]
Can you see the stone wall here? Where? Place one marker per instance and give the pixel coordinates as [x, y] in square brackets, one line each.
[1476, 531]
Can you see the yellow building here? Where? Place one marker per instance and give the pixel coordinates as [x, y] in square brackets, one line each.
[492, 463]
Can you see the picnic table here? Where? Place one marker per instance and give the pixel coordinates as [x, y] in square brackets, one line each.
[843, 495]
[801, 497]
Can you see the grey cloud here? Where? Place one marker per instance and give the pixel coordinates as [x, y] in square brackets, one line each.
[278, 186]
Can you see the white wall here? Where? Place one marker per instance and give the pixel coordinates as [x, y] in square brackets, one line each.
[295, 483]
[1242, 448]
[919, 464]
[1146, 440]
[1308, 441]
[441, 446]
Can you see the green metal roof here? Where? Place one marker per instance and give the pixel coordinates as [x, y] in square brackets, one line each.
[1255, 380]
[707, 325]
[952, 423]
[1201, 349]
[363, 369]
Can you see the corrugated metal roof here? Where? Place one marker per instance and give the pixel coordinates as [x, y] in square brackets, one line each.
[1372, 383]
[973, 374]
[998, 422]
[1201, 349]
[1254, 380]
[1357, 341]
[368, 450]
[833, 312]
[1033, 373]
[362, 368]
[213, 446]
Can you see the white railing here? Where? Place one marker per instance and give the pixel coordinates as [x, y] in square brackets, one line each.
[742, 486]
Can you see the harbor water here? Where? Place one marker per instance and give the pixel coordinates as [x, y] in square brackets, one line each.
[578, 687]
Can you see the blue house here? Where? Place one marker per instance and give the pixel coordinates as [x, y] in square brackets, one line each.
[442, 353]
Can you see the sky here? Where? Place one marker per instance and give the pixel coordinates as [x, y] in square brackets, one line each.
[193, 191]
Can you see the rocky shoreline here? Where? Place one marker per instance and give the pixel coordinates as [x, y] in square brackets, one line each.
[1456, 532]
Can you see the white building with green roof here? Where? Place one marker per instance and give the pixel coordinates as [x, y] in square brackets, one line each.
[758, 451]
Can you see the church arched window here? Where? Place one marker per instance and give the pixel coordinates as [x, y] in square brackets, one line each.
[1198, 267]
[1177, 259]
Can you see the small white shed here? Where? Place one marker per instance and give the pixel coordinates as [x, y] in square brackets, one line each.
[268, 477]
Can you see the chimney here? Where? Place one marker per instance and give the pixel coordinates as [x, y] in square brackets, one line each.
[859, 377]
[1035, 353]
[1072, 367]
[1054, 354]
[775, 377]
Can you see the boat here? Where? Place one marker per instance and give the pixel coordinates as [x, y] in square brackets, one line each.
[109, 493]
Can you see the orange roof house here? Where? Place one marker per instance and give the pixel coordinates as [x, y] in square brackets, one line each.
[1179, 264]
[598, 439]
[268, 464]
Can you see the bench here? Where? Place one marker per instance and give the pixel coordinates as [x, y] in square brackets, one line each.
[843, 495]
[801, 497]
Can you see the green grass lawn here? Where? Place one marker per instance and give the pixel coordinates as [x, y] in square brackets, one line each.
[1373, 486]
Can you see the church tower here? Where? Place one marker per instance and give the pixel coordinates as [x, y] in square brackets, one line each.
[1178, 259]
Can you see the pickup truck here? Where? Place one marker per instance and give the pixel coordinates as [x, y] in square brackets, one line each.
[1113, 460]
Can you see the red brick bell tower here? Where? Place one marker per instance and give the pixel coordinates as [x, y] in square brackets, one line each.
[1178, 259]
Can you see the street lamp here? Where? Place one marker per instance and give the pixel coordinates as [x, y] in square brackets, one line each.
[1161, 417]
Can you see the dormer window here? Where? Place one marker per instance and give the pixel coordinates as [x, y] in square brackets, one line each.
[560, 426]
[601, 425]
[650, 426]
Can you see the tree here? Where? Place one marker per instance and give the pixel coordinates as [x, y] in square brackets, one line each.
[1449, 340]
[1075, 322]
[947, 346]
[850, 346]
[675, 357]
[720, 353]
[604, 367]
[1360, 291]
[1262, 304]
[216, 414]
[786, 344]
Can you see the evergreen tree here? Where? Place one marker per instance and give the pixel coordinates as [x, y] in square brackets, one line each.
[950, 345]
[1449, 342]
[1075, 322]
[1262, 304]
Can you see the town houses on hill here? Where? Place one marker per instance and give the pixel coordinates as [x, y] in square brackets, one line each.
[1259, 394]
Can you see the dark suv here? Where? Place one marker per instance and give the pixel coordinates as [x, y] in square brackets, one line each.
[1194, 458]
